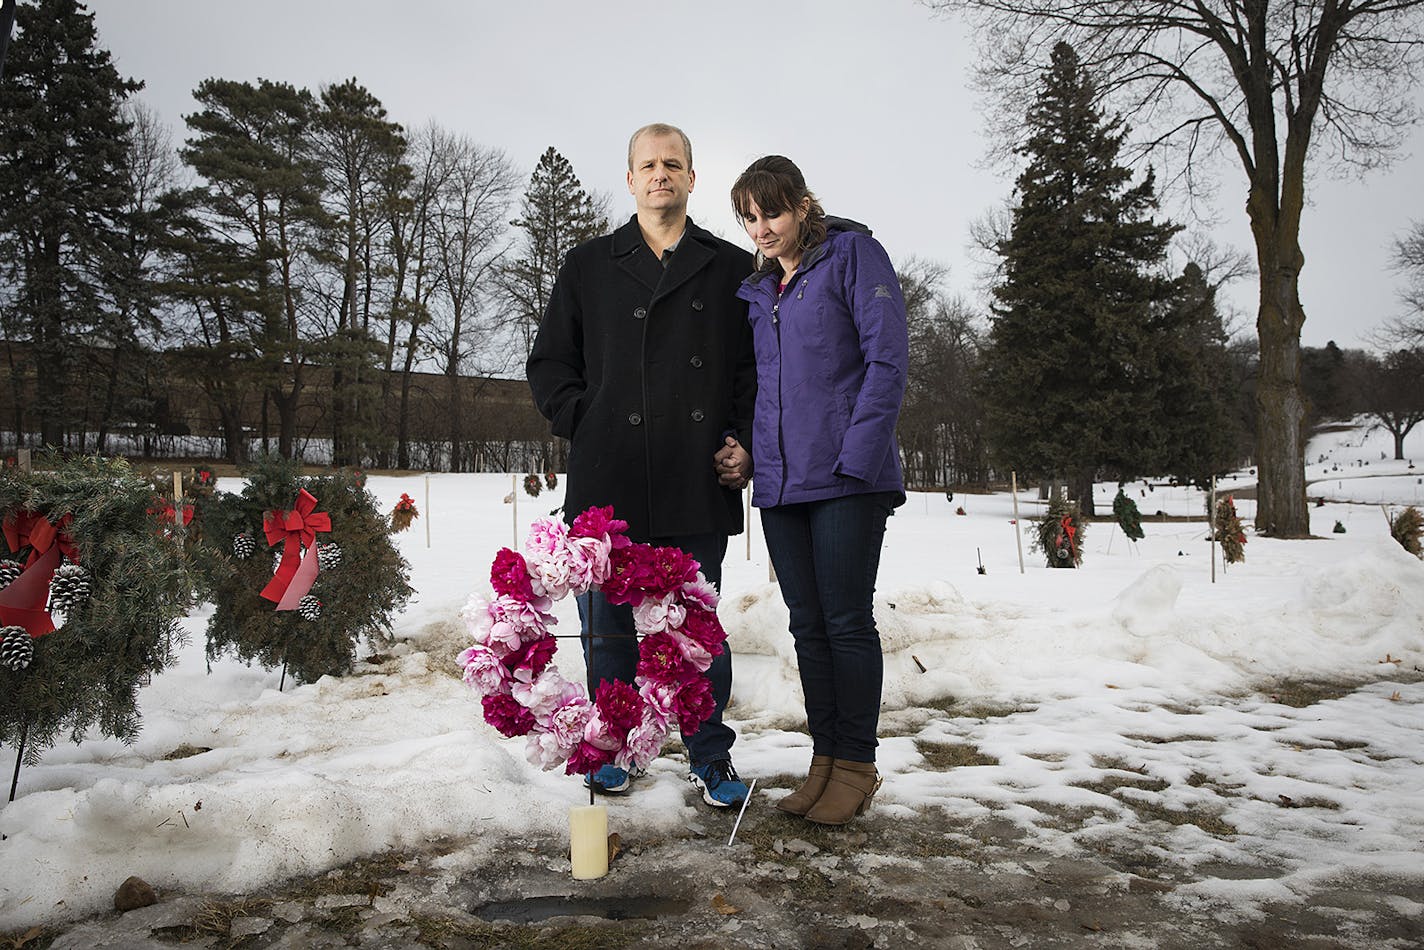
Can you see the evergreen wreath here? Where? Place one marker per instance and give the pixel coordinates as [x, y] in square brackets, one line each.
[357, 597]
[1127, 515]
[1407, 528]
[120, 624]
[511, 662]
[532, 485]
[1059, 535]
[551, 480]
[1229, 533]
[403, 513]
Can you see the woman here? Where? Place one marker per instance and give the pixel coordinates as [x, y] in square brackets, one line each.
[828, 321]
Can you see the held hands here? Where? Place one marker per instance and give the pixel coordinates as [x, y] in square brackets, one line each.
[733, 464]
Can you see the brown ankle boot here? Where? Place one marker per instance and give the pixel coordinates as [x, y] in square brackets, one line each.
[848, 792]
[800, 801]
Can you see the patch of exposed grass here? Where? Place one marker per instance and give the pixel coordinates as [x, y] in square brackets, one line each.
[1164, 740]
[943, 756]
[35, 938]
[981, 710]
[1300, 693]
[369, 876]
[435, 931]
[1207, 820]
[186, 751]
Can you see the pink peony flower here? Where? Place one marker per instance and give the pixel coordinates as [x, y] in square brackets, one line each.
[587, 758]
[658, 614]
[530, 659]
[484, 671]
[699, 592]
[506, 715]
[566, 723]
[547, 552]
[545, 694]
[602, 734]
[671, 568]
[509, 575]
[696, 655]
[645, 741]
[589, 563]
[513, 622]
[543, 750]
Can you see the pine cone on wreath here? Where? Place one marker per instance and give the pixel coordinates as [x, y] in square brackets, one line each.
[17, 648]
[9, 570]
[69, 589]
[309, 607]
[328, 555]
[243, 547]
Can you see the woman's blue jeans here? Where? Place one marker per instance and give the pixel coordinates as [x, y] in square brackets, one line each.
[826, 555]
[613, 654]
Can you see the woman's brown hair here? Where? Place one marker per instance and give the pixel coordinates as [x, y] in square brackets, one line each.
[774, 183]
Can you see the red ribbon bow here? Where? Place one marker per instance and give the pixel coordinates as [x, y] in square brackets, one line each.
[296, 529]
[1069, 531]
[22, 603]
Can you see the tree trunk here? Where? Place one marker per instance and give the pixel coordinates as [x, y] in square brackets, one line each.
[1281, 509]
[1083, 488]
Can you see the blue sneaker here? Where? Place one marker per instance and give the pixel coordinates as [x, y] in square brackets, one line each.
[609, 780]
[719, 783]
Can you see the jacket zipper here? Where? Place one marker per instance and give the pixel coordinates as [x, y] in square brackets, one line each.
[780, 394]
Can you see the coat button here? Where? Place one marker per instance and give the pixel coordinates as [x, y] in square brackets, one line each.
[696, 362]
[697, 415]
[635, 419]
[697, 303]
[640, 313]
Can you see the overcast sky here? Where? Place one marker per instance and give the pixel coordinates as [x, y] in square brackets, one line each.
[870, 98]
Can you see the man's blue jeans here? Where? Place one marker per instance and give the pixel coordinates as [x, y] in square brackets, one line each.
[826, 555]
[614, 651]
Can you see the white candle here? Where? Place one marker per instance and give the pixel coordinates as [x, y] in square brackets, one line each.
[588, 841]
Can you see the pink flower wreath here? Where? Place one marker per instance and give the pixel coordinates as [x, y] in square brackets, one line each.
[511, 663]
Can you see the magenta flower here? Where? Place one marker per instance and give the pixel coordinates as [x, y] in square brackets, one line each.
[703, 627]
[530, 659]
[506, 715]
[694, 704]
[599, 523]
[661, 659]
[587, 758]
[618, 705]
[509, 576]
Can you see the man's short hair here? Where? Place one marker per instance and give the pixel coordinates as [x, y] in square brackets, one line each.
[660, 128]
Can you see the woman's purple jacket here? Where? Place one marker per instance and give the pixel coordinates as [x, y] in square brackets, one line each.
[831, 351]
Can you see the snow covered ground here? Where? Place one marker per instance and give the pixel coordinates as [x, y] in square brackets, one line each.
[1132, 687]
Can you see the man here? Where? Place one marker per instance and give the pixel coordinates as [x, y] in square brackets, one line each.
[644, 362]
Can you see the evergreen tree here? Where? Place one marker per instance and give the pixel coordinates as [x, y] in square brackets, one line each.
[1069, 376]
[253, 146]
[556, 215]
[63, 186]
[355, 147]
[1194, 431]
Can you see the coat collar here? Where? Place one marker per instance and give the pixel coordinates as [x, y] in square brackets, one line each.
[695, 251]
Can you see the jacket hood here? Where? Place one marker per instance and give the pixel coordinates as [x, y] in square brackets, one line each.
[834, 226]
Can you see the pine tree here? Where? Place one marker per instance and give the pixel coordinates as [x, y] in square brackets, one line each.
[252, 144]
[556, 215]
[1194, 430]
[1068, 374]
[63, 186]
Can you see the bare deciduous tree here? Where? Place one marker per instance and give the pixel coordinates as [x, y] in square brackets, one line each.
[1279, 86]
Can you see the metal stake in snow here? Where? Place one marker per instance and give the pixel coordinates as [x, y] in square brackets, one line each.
[750, 788]
[1211, 521]
[1018, 535]
[427, 509]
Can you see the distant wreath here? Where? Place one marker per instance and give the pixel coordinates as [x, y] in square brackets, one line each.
[510, 664]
